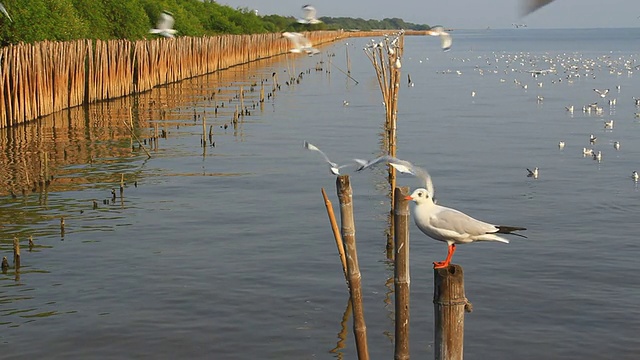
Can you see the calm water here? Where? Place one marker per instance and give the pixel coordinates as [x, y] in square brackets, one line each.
[229, 254]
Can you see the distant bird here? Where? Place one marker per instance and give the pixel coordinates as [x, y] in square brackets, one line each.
[300, 43]
[398, 63]
[561, 144]
[533, 173]
[333, 167]
[4, 11]
[452, 226]
[634, 176]
[529, 6]
[608, 124]
[602, 93]
[309, 15]
[587, 151]
[569, 108]
[345, 103]
[616, 145]
[445, 37]
[597, 156]
[164, 27]
[592, 139]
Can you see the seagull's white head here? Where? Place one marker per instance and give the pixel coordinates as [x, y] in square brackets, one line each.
[420, 196]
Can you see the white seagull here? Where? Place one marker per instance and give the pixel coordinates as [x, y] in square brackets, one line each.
[4, 11]
[300, 43]
[561, 145]
[445, 37]
[616, 145]
[309, 15]
[634, 176]
[533, 173]
[333, 167]
[164, 27]
[608, 124]
[602, 93]
[452, 226]
[402, 166]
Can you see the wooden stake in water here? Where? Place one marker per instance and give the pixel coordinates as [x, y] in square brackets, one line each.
[336, 234]
[204, 131]
[345, 196]
[5, 264]
[449, 304]
[16, 253]
[62, 226]
[402, 278]
[122, 185]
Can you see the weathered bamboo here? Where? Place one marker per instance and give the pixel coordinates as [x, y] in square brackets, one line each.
[16, 253]
[402, 278]
[449, 304]
[204, 131]
[336, 234]
[343, 186]
[136, 136]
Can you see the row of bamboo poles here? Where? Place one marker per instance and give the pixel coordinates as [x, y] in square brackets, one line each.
[41, 78]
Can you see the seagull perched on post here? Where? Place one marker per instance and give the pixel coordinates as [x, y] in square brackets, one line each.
[439, 222]
[452, 226]
[309, 15]
[164, 27]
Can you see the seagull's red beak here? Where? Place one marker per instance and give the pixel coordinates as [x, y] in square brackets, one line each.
[408, 197]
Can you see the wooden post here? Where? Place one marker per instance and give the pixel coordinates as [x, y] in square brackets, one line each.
[16, 253]
[402, 278]
[449, 304]
[345, 196]
[336, 234]
[62, 226]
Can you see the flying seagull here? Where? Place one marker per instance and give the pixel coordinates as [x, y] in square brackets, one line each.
[300, 43]
[164, 27]
[529, 6]
[4, 11]
[309, 15]
[445, 37]
[333, 167]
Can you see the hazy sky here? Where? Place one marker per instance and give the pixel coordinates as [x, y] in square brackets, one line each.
[468, 14]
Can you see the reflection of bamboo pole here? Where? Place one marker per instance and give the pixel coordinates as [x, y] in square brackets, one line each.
[342, 335]
[336, 234]
[402, 277]
[136, 137]
[349, 235]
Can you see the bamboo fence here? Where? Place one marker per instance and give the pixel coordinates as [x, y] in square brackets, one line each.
[41, 78]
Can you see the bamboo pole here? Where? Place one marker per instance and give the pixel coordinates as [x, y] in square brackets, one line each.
[449, 303]
[345, 196]
[135, 136]
[402, 278]
[16, 253]
[336, 234]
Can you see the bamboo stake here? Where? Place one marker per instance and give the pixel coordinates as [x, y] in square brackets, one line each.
[343, 186]
[449, 304]
[336, 234]
[402, 277]
[16, 253]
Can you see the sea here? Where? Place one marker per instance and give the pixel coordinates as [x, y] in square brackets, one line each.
[224, 250]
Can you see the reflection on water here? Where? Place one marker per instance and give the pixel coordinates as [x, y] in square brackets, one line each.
[226, 249]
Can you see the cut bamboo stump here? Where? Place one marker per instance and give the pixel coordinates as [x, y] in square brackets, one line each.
[450, 304]
[402, 278]
[345, 196]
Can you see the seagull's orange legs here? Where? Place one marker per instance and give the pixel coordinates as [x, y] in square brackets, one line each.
[444, 264]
